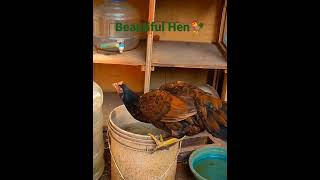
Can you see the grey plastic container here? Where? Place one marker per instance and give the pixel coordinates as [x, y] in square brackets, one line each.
[98, 142]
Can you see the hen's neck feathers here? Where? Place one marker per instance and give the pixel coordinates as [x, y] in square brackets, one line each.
[131, 101]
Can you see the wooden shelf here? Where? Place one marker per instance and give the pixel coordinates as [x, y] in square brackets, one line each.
[187, 55]
[135, 57]
[181, 52]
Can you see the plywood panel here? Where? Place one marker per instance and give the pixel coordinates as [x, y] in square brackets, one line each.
[97, 2]
[188, 55]
[105, 75]
[164, 75]
[143, 8]
[158, 78]
[185, 12]
[205, 35]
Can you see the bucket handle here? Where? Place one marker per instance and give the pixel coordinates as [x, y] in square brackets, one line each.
[162, 176]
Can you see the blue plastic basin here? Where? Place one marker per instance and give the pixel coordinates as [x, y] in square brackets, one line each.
[209, 163]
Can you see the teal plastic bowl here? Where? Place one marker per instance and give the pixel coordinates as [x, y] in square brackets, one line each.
[209, 163]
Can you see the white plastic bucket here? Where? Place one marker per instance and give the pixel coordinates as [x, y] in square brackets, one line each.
[131, 156]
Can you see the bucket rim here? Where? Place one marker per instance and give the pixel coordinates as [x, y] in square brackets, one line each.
[148, 142]
[138, 146]
[126, 133]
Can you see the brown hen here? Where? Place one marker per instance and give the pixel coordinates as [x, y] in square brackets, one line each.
[178, 108]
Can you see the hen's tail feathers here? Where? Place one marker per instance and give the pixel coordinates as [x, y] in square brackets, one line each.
[222, 134]
[216, 123]
[215, 102]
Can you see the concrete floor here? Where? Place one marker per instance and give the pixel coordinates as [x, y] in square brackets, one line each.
[112, 100]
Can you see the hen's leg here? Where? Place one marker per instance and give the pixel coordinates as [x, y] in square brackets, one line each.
[163, 144]
[161, 138]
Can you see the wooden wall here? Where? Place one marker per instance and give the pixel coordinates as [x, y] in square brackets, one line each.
[181, 11]
[163, 75]
[186, 11]
[105, 75]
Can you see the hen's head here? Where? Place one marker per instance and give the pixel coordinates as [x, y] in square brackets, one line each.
[126, 94]
[119, 86]
[129, 99]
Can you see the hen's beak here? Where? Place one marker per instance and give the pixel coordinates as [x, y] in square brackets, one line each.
[116, 86]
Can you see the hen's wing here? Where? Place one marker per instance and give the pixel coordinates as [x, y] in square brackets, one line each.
[180, 88]
[161, 105]
[211, 110]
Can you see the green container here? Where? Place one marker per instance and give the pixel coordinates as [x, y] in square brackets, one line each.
[209, 163]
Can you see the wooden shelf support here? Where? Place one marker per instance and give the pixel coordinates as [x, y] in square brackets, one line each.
[147, 76]
[224, 87]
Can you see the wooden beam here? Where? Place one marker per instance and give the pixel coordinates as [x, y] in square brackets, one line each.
[143, 68]
[224, 87]
[215, 74]
[218, 78]
[147, 76]
[223, 20]
[223, 49]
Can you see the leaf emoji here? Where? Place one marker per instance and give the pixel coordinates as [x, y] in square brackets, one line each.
[201, 25]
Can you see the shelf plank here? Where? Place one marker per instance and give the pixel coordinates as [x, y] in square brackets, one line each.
[135, 57]
[187, 55]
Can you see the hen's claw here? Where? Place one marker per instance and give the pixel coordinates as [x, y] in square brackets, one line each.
[163, 144]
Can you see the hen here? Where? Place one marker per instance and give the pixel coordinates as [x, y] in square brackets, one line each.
[178, 108]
